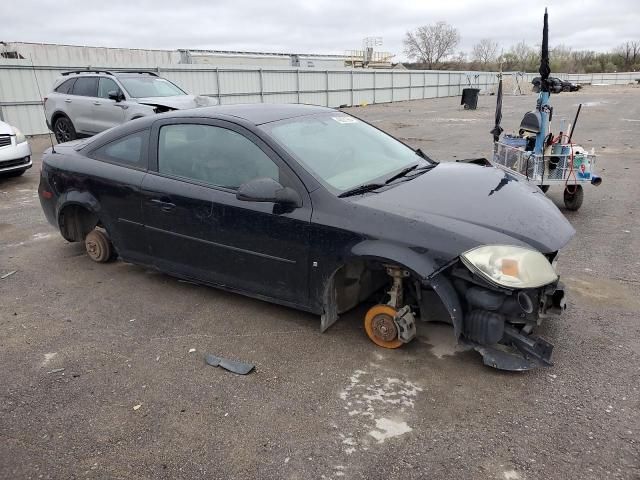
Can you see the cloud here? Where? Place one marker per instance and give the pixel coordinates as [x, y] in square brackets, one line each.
[329, 26]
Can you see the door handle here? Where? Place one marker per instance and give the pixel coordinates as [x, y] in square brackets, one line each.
[165, 206]
[68, 100]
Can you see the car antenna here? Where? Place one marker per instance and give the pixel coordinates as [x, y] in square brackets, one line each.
[53, 148]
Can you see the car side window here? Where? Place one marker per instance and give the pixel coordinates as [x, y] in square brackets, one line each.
[66, 86]
[86, 86]
[127, 151]
[214, 155]
[105, 86]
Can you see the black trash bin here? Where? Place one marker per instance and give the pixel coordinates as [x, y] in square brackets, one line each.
[470, 98]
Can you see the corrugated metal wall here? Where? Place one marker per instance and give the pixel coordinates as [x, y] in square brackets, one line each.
[85, 56]
[20, 99]
[603, 78]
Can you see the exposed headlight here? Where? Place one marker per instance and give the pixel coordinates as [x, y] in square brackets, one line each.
[510, 266]
[20, 138]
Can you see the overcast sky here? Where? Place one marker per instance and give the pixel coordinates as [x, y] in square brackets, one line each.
[329, 26]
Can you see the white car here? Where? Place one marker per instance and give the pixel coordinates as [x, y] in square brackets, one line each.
[86, 102]
[15, 153]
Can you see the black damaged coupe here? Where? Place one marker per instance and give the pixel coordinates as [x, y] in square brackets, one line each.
[315, 209]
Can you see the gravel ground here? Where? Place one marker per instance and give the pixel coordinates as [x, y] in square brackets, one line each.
[322, 406]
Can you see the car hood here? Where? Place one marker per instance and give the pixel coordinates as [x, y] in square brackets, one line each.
[179, 102]
[5, 129]
[459, 206]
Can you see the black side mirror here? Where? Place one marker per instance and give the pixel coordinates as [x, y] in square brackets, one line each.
[268, 190]
[115, 95]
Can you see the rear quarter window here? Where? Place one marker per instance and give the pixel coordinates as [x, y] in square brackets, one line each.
[129, 151]
[66, 86]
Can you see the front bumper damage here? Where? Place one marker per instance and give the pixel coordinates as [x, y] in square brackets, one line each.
[518, 348]
[497, 323]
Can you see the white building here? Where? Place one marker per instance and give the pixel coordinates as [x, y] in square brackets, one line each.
[44, 54]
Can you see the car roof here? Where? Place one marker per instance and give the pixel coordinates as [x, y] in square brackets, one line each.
[256, 113]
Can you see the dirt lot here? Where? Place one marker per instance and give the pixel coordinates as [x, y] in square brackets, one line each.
[322, 406]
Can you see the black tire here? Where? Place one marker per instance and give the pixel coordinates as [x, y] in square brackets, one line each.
[573, 197]
[99, 247]
[64, 130]
[544, 188]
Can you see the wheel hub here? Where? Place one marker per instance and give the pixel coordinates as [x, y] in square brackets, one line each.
[384, 328]
[93, 249]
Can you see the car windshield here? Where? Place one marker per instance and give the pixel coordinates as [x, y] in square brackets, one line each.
[341, 151]
[140, 87]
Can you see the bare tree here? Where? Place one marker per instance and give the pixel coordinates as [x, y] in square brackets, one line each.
[526, 58]
[561, 57]
[630, 54]
[431, 44]
[485, 51]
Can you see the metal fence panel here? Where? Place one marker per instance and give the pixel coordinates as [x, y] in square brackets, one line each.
[281, 98]
[339, 98]
[279, 81]
[314, 98]
[401, 94]
[363, 96]
[29, 118]
[363, 79]
[313, 81]
[233, 82]
[230, 99]
[205, 82]
[339, 80]
[21, 105]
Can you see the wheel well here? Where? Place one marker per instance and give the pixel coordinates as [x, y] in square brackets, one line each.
[56, 116]
[356, 281]
[76, 222]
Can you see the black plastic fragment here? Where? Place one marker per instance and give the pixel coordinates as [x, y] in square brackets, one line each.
[241, 368]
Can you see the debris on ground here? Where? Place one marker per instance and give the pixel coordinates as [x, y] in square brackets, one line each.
[191, 350]
[136, 407]
[8, 274]
[241, 368]
[56, 370]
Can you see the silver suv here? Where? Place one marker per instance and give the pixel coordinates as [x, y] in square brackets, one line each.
[86, 102]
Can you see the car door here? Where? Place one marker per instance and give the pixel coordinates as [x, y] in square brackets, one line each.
[80, 104]
[115, 181]
[197, 227]
[106, 112]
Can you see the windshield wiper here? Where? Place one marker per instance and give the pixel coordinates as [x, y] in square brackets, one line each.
[401, 173]
[404, 172]
[367, 187]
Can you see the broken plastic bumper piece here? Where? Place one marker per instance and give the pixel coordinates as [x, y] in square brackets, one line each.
[517, 353]
[241, 368]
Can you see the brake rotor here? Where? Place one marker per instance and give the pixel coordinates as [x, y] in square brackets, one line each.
[380, 327]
